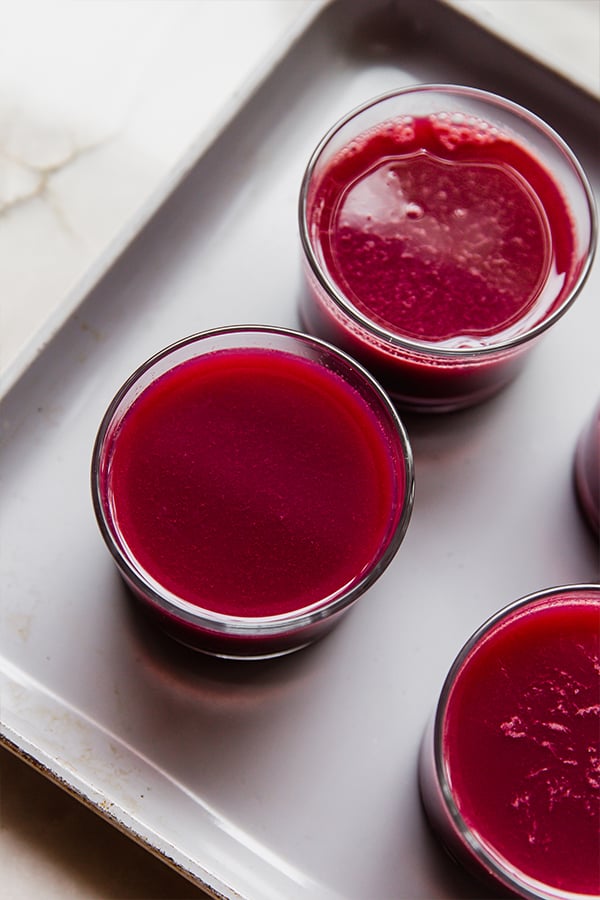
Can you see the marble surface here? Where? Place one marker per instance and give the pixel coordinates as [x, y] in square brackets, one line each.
[103, 107]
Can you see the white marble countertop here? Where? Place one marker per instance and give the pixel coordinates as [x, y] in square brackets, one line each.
[103, 107]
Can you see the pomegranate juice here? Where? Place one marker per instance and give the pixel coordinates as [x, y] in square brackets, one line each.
[435, 243]
[520, 743]
[251, 482]
[442, 233]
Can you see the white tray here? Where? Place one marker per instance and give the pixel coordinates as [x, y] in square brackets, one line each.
[292, 779]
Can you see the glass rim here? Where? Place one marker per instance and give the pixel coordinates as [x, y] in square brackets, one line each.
[248, 626]
[528, 887]
[425, 348]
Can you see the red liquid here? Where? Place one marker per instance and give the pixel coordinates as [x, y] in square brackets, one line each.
[252, 482]
[441, 232]
[521, 743]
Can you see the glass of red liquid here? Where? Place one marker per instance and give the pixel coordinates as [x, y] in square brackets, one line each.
[251, 483]
[509, 768]
[443, 229]
[587, 469]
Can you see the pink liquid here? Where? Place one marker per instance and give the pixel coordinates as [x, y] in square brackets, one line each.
[439, 232]
[521, 743]
[252, 482]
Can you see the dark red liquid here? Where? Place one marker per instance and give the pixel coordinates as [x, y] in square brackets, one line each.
[521, 742]
[438, 231]
[252, 482]
[587, 470]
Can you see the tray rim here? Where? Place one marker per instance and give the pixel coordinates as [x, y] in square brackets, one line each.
[12, 744]
[484, 19]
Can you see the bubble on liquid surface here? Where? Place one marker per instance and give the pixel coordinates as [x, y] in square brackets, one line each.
[414, 211]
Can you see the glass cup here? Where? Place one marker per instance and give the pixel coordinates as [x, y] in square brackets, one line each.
[509, 765]
[443, 229]
[251, 483]
[587, 470]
